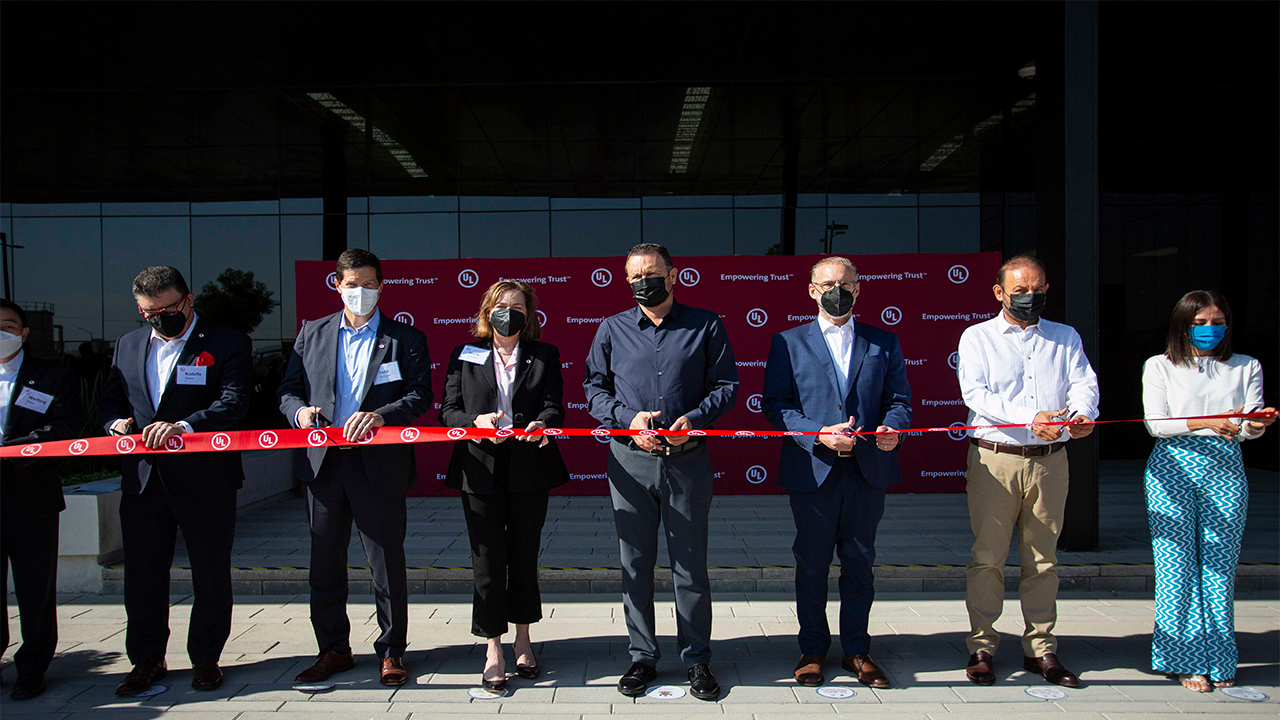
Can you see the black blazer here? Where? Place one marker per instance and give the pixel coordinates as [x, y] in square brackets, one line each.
[537, 394]
[28, 485]
[217, 405]
[311, 380]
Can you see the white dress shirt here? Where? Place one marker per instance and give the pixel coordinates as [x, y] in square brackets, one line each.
[840, 342]
[1170, 391]
[505, 374]
[1008, 374]
[8, 381]
[162, 357]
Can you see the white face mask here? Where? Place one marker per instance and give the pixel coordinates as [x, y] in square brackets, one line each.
[360, 301]
[10, 344]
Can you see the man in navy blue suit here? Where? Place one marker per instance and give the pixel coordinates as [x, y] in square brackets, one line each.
[836, 376]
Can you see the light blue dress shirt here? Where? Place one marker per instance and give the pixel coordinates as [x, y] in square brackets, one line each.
[354, 348]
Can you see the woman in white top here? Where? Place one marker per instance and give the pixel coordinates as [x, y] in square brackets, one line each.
[1197, 494]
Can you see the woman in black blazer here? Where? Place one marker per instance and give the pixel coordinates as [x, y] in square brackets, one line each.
[507, 379]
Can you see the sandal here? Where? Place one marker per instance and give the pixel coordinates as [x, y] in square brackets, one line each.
[1229, 682]
[1194, 683]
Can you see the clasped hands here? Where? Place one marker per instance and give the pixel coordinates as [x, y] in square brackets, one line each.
[154, 436]
[1080, 425]
[490, 421]
[835, 437]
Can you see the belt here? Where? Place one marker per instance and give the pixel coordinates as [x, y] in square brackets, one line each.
[1025, 451]
[661, 450]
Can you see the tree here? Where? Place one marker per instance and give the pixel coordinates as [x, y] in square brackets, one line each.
[236, 301]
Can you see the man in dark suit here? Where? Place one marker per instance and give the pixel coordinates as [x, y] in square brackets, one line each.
[835, 376]
[181, 374]
[39, 402]
[359, 370]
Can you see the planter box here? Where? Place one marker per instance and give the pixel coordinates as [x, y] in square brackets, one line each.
[88, 535]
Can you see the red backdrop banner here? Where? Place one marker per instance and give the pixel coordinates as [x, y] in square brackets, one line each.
[928, 300]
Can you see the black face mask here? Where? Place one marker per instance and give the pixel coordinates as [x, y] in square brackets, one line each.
[650, 291]
[507, 321]
[1027, 307]
[836, 302]
[169, 326]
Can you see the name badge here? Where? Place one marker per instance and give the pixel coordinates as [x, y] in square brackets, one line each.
[33, 400]
[474, 355]
[387, 372]
[191, 374]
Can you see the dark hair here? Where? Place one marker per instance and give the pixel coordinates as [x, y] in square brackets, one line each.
[1019, 261]
[532, 327]
[153, 281]
[650, 249]
[17, 310]
[1178, 347]
[356, 258]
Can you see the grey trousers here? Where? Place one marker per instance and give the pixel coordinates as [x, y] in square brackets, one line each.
[675, 491]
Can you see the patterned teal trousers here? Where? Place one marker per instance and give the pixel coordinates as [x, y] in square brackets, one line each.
[1197, 499]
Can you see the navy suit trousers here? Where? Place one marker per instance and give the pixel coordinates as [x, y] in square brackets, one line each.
[841, 515]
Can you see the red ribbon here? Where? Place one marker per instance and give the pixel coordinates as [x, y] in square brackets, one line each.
[318, 437]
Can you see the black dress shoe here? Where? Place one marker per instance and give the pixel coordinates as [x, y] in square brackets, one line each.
[981, 669]
[494, 686]
[206, 676]
[1052, 670]
[27, 687]
[142, 677]
[528, 672]
[702, 682]
[637, 679]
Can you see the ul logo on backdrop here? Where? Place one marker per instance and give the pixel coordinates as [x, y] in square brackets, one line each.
[601, 433]
[956, 434]
[601, 277]
[757, 317]
[953, 360]
[404, 317]
[756, 474]
[331, 282]
[468, 278]
[689, 277]
[891, 315]
[755, 403]
[542, 319]
[958, 274]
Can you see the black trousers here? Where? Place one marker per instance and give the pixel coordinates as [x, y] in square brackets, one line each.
[340, 494]
[149, 524]
[31, 545]
[506, 531]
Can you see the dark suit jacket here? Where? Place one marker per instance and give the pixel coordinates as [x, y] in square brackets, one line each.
[536, 394]
[802, 392]
[32, 486]
[311, 379]
[217, 405]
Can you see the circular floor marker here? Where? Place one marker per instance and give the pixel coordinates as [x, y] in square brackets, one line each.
[313, 688]
[1243, 693]
[1046, 693]
[836, 692]
[152, 691]
[482, 694]
[665, 692]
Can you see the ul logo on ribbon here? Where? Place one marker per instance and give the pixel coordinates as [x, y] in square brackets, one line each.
[757, 317]
[457, 433]
[958, 274]
[689, 277]
[125, 445]
[552, 431]
[30, 450]
[697, 433]
[174, 443]
[78, 447]
[468, 278]
[953, 360]
[601, 277]
[404, 317]
[221, 441]
[316, 438]
[756, 474]
[268, 439]
[956, 434]
[409, 434]
[891, 315]
[601, 433]
[755, 403]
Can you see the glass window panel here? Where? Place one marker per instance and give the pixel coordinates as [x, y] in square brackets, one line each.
[60, 263]
[950, 229]
[130, 244]
[239, 207]
[950, 199]
[811, 231]
[690, 232]
[147, 209]
[249, 243]
[414, 235]
[595, 203]
[757, 201]
[594, 233]
[357, 204]
[485, 203]
[811, 200]
[506, 235]
[688, 201]
[301, 206]
[301, 238]
[875, 230]
[756, 230]
[448, 203]
[55, 210]
[357, 230]
[870, 200]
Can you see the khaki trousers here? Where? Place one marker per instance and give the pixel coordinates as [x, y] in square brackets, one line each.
[1007, 490]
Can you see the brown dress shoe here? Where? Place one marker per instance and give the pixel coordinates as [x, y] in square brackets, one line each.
[327, 664]
[868, 672]
[809, 670]
[141, 677]
[1052, 670]
[206, 676]
[981, 669]
[393, 672]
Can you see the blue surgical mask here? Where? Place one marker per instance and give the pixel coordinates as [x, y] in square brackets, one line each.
[1207, 337]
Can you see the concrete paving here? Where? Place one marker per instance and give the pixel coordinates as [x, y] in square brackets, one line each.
[581, 646]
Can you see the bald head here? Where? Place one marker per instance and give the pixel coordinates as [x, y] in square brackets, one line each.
[1023, 263]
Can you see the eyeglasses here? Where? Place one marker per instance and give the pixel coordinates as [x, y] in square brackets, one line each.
[170, 310]
[826, 286]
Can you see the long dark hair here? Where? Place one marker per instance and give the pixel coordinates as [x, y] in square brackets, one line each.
[1178, 348]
